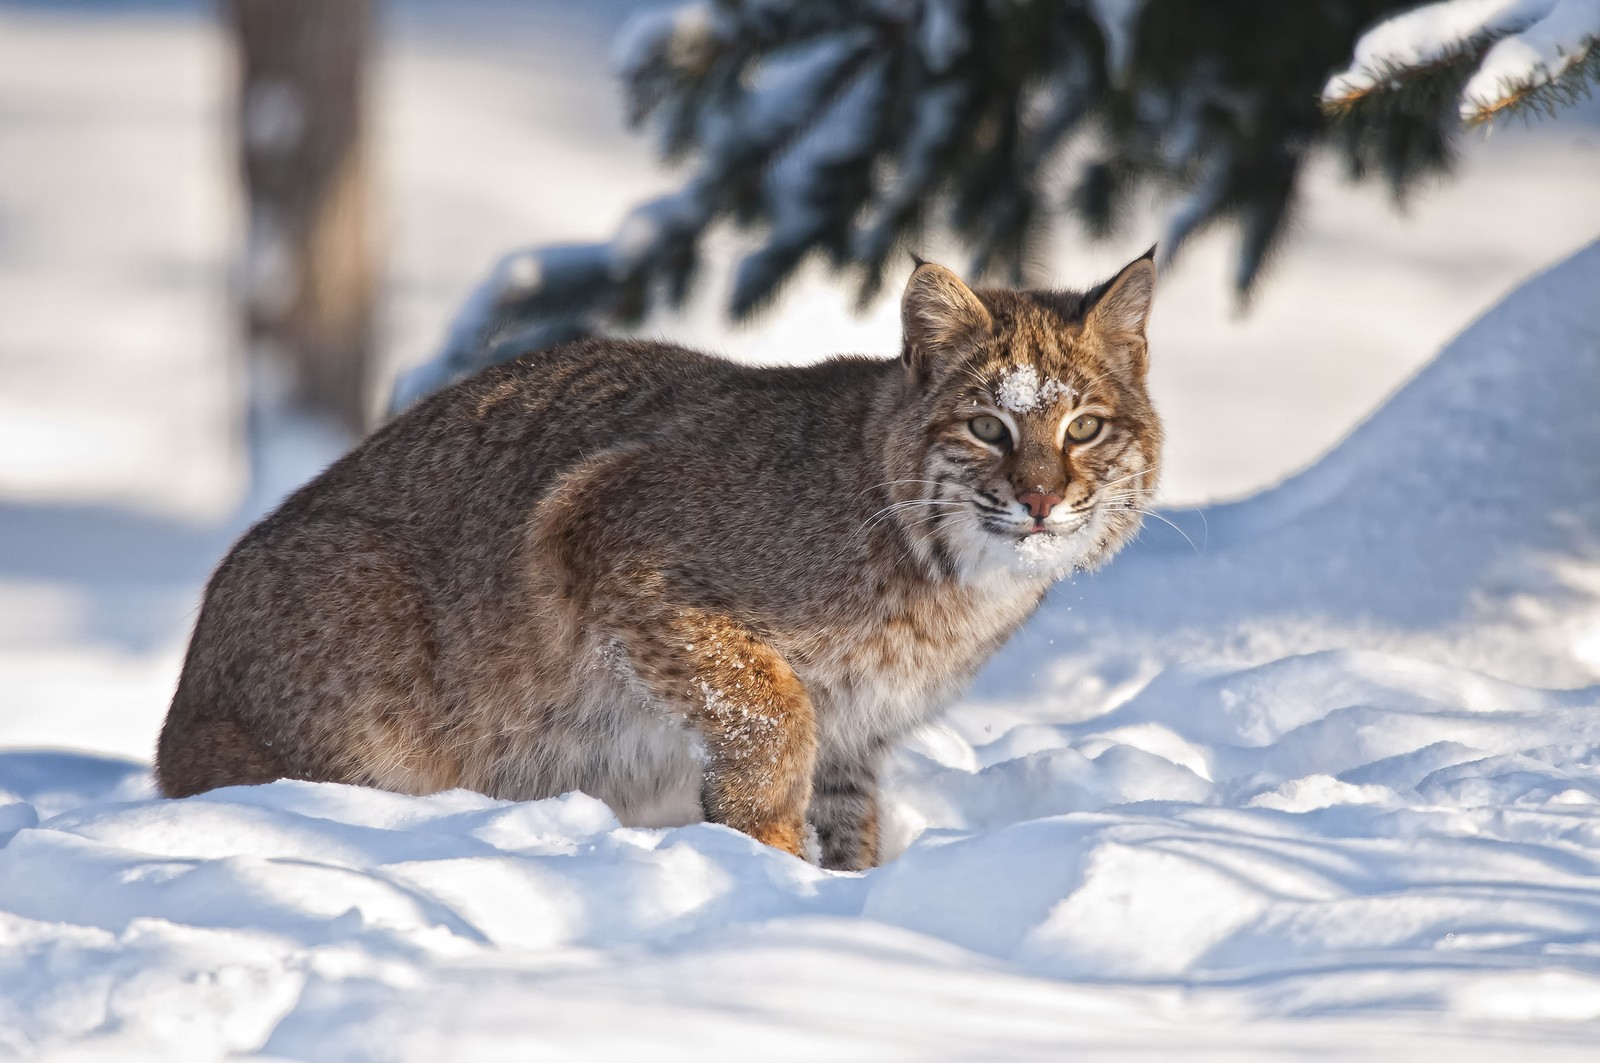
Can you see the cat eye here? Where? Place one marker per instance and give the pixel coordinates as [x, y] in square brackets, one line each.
[989, 429]
[1084, 427]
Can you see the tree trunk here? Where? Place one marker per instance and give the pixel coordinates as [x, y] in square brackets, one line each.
[307, 288]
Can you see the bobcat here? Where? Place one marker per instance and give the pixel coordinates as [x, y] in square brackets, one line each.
[691, 588]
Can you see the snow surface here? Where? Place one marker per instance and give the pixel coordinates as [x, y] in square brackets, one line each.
[1264, 801]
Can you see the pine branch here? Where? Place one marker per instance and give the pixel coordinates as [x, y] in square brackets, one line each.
[1399, 87]
[851, 129]
[1568, 28]
[1543, 98]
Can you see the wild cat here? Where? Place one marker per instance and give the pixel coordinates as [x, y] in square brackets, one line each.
[687, 587]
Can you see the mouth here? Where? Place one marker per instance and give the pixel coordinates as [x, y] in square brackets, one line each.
[1067, 524]
[1033, 528]
[1003, 522]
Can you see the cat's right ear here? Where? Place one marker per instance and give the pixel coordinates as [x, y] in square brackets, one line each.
[937, 313]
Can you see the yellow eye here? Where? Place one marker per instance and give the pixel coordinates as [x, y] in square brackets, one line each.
[1084, 427]
[989, 429]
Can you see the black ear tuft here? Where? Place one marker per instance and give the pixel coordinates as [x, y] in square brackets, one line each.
[917, 259]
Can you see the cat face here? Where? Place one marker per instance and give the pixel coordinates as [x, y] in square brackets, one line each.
[1042, 449]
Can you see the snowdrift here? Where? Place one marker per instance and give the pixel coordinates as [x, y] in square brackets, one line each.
[1325, 783]
[1460, 523]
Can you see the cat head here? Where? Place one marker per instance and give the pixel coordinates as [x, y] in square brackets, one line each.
[1038, 449]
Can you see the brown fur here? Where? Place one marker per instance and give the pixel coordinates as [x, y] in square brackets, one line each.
[687, 587]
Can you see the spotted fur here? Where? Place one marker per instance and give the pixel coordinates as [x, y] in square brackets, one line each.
[688, 587]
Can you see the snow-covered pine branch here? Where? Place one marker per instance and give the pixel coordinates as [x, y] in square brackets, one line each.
[1492, 56]
[854, 130]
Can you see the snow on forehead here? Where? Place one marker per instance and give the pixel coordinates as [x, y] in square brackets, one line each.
[1022, 391]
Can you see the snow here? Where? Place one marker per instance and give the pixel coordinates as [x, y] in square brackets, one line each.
[1047, 554]
[1535, 56]
[1022, 391]
[941, 35]
[1489, 437]
[1323, 785]
[1136, 834]
[802, 176]
[1118, 20]
[674, 35]
[1188, 211]
[1428, 34]
[1535, 41]
[517, 273]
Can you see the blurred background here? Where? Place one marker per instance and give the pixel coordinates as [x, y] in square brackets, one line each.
[149, 408]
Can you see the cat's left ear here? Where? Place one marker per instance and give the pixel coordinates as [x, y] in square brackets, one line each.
[1118, 310]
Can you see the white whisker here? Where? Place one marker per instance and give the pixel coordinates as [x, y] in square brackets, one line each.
[1174, 527]
[915, 503]
[1131, 475]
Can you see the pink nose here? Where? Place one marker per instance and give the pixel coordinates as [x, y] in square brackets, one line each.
[1039, 503]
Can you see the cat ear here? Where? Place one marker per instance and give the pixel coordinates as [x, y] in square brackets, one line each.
[1119, 309]
[938, 312]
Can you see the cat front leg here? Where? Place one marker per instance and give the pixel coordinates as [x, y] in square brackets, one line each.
[750, 710]
[844, 810]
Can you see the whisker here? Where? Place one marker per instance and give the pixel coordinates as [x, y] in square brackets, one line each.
[972, 375]
[882, 516]
[913, 540]
[913, 503]
[1174, 527]
[1131, 475]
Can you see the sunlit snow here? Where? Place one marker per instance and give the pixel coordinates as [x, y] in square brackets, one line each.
[1321, 780]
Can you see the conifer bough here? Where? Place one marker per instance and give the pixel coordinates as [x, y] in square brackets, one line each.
[854, 130]
[1495, 57]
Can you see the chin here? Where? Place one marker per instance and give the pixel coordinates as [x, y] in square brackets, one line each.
[1046, 555]
[1051, 554]
[1055, 554]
